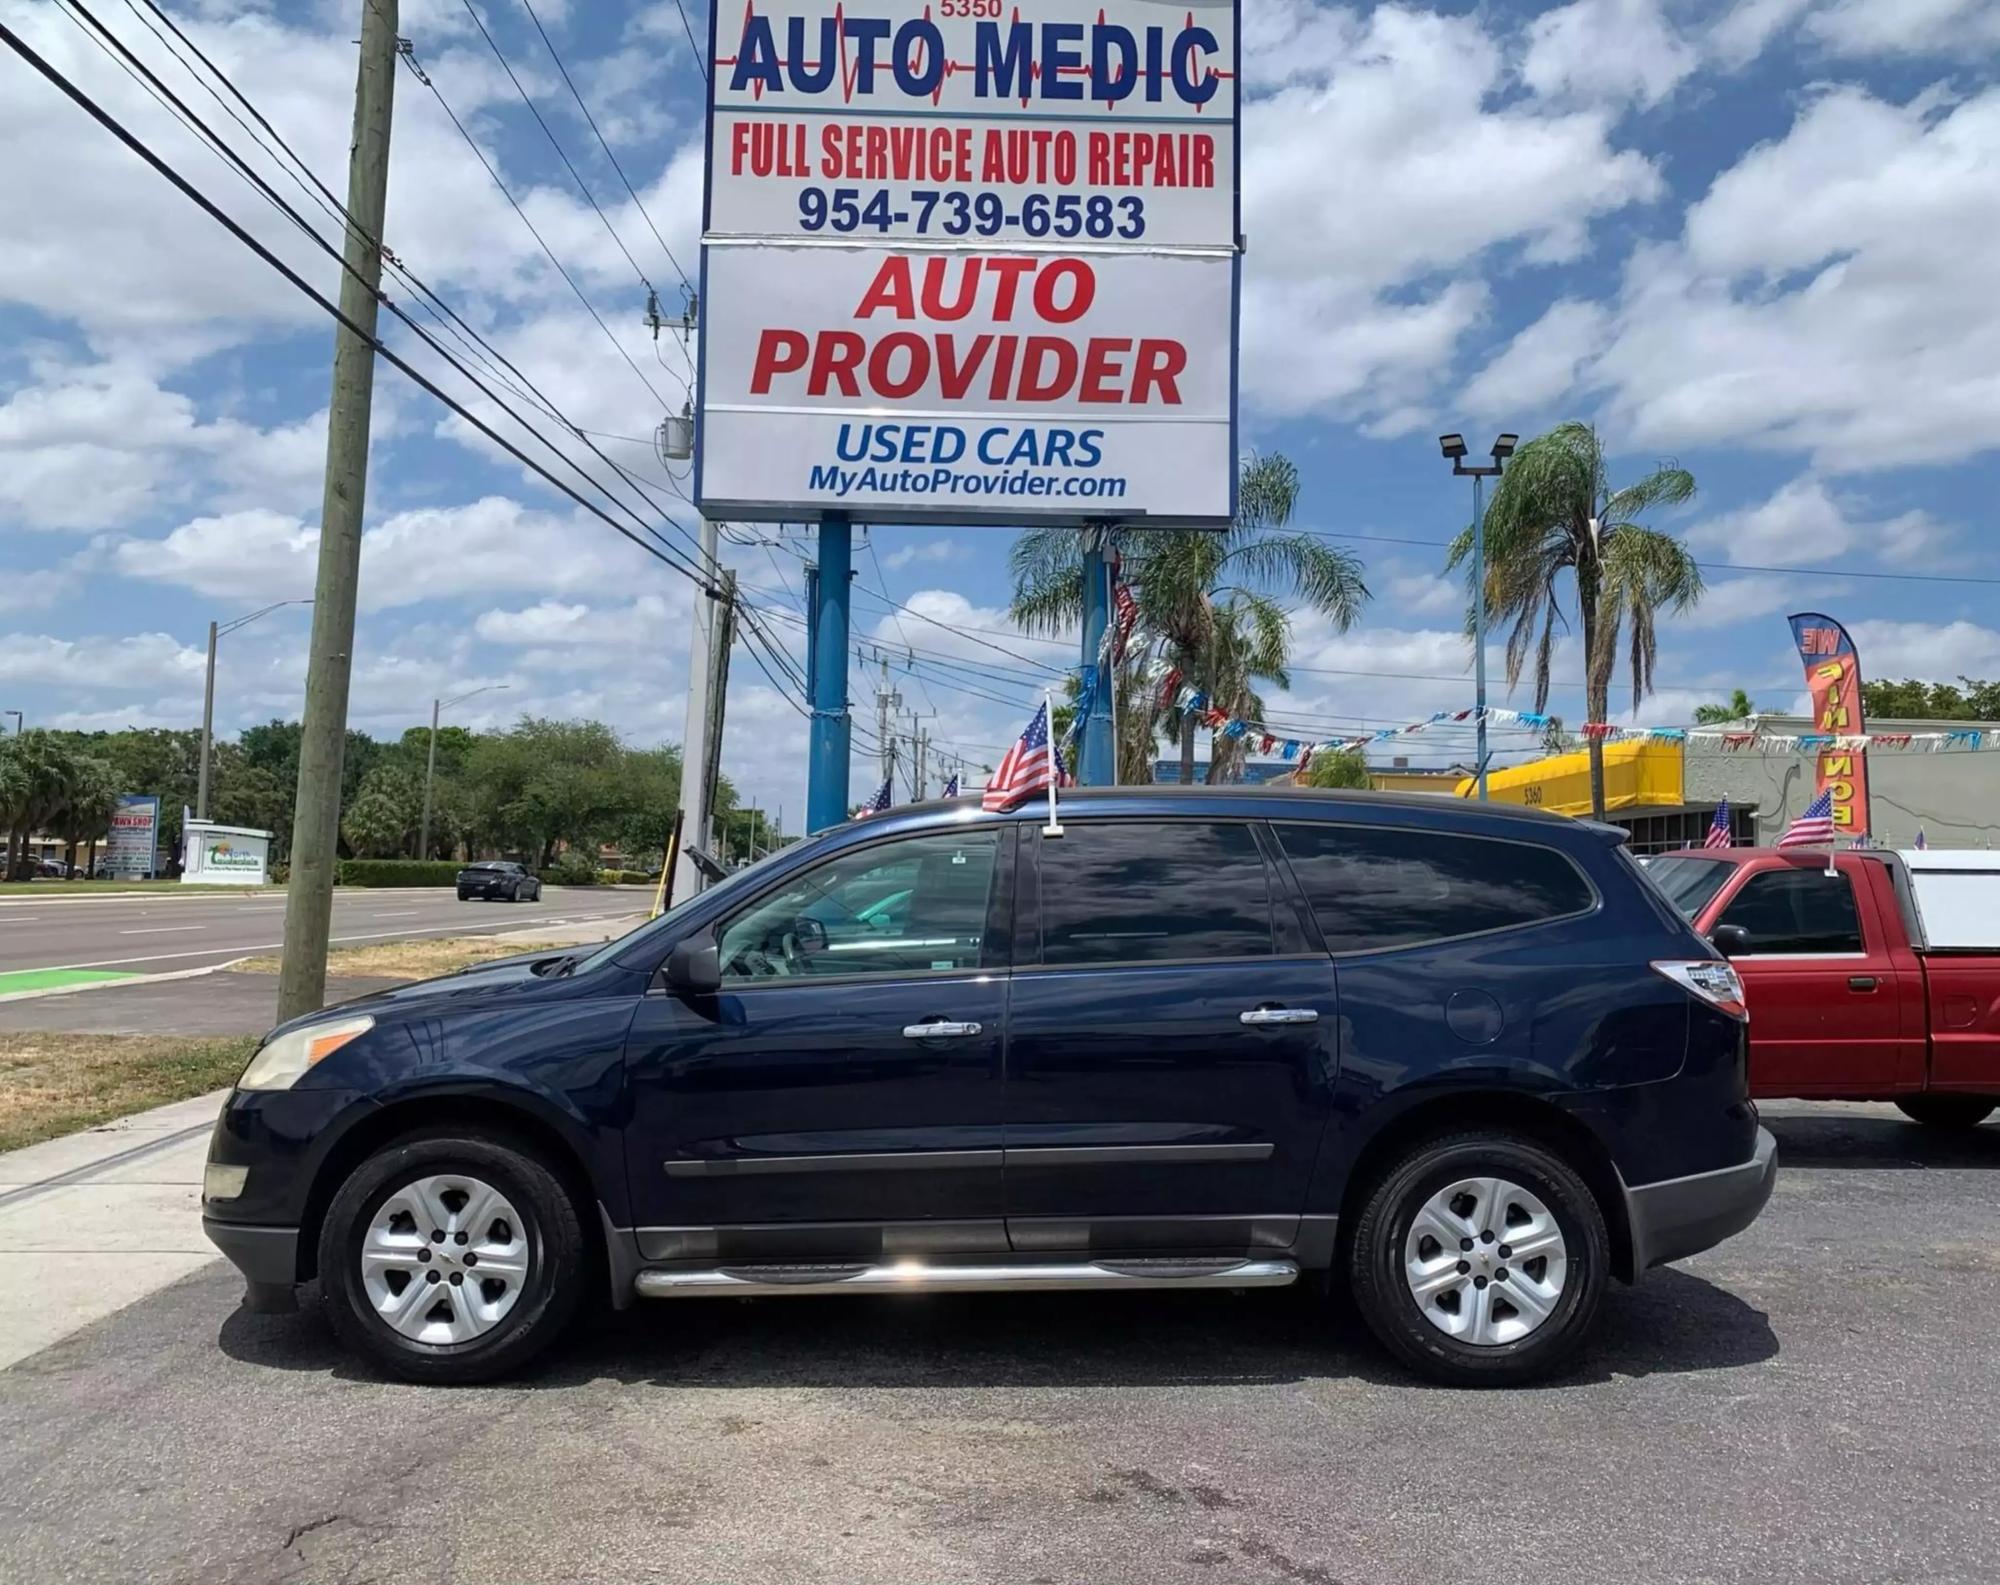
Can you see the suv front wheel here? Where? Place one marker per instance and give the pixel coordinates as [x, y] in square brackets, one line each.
[450, 1258]
[1479, 1259]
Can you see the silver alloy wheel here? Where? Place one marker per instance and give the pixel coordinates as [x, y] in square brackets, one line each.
[1485, 1261]
[445, 1258]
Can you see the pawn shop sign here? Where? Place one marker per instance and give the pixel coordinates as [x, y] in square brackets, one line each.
[971, 262]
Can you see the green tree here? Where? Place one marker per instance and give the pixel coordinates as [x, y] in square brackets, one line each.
[381, 820]
[1555, 521]
[1740, 706]
[1912, 700]
[1211, 600]
[43, 768]
[651, 783]
[90, 798]
[1347, 767]
[546, 784]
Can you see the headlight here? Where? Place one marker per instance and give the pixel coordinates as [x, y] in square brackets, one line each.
[279, 1063]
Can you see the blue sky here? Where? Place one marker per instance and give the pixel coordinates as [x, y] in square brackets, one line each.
[1752, 236]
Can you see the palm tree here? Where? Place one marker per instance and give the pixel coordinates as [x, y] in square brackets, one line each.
[1740, 707]
[1553, 514]
[1211, 598]
[90, 799]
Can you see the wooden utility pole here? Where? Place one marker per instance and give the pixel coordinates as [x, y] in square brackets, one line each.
[323, 740]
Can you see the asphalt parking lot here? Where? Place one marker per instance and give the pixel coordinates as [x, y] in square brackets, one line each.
[1813, 1401]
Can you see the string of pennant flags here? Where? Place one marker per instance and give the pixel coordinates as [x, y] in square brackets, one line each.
[1167, 689]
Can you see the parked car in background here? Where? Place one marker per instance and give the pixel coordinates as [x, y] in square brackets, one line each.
[1458, 1058]
[498, 879]
[1877, 982]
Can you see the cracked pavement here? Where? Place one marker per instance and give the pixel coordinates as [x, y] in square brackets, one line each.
[1812, 1401]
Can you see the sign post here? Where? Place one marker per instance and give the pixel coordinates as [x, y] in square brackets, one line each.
[968, 262]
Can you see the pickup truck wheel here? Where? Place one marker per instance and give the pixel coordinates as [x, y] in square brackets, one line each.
[1479, 1259]
[446, 1258]
[1946, 1111]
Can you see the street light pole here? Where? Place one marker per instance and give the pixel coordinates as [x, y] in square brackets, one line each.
[215, 631]
[438, 707]
[1453, 447]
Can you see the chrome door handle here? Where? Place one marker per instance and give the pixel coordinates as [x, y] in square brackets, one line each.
[939, 1029]
[1278, 1015]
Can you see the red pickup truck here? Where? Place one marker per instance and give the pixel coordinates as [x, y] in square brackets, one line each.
[1877, 982]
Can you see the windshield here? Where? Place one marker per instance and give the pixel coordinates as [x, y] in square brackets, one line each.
[1689, 882]
[667, 921]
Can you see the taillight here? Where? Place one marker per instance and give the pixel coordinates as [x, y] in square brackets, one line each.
[1714, 981]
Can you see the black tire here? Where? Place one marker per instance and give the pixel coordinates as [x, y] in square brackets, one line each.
[464, 897]
[1952, 1112]
[1376, 1259]
[550, 1226]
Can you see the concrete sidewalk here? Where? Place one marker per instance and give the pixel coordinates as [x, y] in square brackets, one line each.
[95, 1221]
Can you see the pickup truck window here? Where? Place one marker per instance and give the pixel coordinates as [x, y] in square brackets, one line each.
[1152, 893]
[1689, 883]
[1796, 911]
[1377, 886]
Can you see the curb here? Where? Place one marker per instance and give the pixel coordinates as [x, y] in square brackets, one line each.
[112, 985]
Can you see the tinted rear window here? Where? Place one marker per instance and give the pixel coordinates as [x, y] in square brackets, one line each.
[1384, 886]
[1154, 892]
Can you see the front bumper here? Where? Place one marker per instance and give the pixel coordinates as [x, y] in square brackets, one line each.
[268, 1257]
[1684, 1216]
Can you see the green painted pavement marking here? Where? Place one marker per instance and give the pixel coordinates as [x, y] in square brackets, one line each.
[56, 979]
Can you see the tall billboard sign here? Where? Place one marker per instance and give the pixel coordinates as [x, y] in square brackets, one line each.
[1833, 678]
[971, 261]
[131, 848]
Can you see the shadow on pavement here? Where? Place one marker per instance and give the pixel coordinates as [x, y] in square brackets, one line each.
[1840, 1139]
[1672, 1322]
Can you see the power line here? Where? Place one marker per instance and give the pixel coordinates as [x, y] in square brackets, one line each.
[208, 207]
[338, 210]
[700, 62]
[424, 77]
[601, 143]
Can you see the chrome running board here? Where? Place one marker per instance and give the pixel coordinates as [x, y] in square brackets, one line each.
[914, 1277]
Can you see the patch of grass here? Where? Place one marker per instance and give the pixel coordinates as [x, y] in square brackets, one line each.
[53, 1084]
[417, 959]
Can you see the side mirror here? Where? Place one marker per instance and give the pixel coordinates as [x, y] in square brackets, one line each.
[1732, 941]
[693, 968]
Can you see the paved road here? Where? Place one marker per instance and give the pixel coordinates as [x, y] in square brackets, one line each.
[149, 935]
[1813, 1401]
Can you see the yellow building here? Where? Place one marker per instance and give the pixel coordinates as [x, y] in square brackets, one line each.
[1644, 791]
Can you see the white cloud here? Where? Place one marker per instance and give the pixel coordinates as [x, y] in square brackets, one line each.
[1803, 522]
[431, 553]
[1607, 51]
[924, 550]
[1364, 265]
[1906, 27]
[1935, 651]
[138, 660]
[650, 620]
[36, 589]
[1830, 295]
[1540, 366]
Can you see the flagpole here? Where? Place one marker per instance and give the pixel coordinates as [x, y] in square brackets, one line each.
[1054, 827]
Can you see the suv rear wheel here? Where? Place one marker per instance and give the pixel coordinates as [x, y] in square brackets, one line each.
[1946, 1111]
[450, 1258]
[1479, 1259]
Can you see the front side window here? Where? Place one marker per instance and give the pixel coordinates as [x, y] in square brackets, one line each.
[1796, 910]
[1153, 892]
[917, 906]
[1373, 887]
[1689, 882]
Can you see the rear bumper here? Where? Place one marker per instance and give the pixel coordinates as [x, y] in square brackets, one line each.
[1684, 1216]
[268, 1257]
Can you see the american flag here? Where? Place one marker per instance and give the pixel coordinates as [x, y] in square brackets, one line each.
[950, 788]
[1128, 615]
[1718, 833]
[1813, 827]
[877, 804]
[1027, 766]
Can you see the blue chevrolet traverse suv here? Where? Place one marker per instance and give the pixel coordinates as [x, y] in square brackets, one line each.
[1463, 1062]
